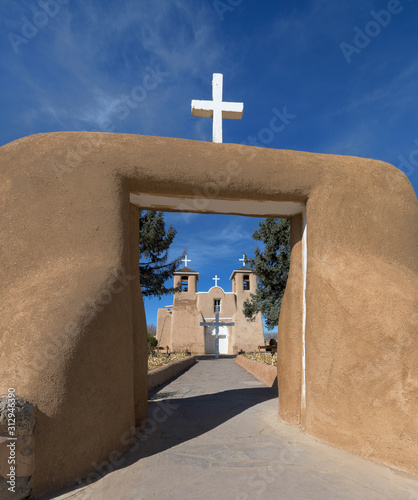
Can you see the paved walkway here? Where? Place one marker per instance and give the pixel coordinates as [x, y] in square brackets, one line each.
[215, 434]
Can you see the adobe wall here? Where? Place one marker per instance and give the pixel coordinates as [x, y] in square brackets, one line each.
[246, 335]
[184, 321]
[139, 322]
[163, 374]
[73, 338]
[265, 373]
[205, 303]
[164, 328]
[289, 338]
[185, 317]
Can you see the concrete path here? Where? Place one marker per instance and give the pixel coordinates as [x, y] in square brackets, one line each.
[214, 434]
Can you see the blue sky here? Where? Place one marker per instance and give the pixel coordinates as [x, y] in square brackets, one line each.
[346, 74]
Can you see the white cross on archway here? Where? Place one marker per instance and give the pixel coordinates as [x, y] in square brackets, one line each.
[217, 109]
[185, 260]
[216, 279]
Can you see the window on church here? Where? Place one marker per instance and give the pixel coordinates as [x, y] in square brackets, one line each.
[216, 303]
[246, 282]
[184, 284]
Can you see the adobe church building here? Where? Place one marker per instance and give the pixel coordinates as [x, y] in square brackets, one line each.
[179, 327]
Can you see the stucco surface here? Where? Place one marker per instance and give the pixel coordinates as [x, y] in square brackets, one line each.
[289, 339]
[72, 321]
[164, 328]
[163, 374]
[185, 319]
[265, 373]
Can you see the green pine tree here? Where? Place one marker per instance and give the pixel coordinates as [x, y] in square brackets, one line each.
[154, 242]
[271, 267]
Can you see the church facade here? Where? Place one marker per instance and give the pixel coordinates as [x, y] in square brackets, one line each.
[178, 327]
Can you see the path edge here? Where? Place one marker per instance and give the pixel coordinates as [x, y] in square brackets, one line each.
[265, 373]
[163, 374]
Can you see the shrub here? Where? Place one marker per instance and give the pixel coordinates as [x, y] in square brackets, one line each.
[152, 343]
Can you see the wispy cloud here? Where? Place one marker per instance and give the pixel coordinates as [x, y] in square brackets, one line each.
[233, 232]
[354, 142]
[102, 54]
[367, 117]
[400, 90]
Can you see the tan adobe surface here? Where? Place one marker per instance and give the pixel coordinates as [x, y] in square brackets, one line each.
[73, 332]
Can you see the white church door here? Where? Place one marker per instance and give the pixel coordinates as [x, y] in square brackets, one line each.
[210, 340]
[223, 340]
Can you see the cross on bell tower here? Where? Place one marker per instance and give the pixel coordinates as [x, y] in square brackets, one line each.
[185, 260]
[244, 259]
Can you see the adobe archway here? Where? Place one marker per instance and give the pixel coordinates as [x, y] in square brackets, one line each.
[70, 288]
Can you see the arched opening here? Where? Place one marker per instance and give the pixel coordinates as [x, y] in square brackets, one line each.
[291, 343]
[184, 283]
[246, 282]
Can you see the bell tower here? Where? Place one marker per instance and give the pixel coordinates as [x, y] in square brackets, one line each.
[244, 282]
[185, 313]
[188, 280]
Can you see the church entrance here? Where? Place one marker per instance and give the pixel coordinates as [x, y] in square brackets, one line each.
[210, 340]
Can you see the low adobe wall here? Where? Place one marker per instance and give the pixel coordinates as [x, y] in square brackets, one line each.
[265, 373]
[163, 374]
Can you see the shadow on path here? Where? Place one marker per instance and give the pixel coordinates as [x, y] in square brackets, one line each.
[172, 421]
[187, 418]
